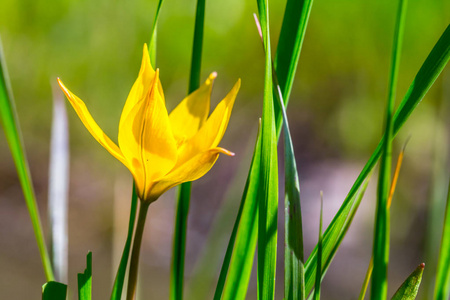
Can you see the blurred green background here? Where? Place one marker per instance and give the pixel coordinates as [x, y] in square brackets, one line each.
[336, 112]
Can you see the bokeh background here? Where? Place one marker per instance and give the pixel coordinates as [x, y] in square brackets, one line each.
[336, 113]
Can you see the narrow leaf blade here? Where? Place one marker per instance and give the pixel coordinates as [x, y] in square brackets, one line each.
[10, 123]
[236, 268]
[410, 287]
[429, 71]
[184, 195]
[116, 293]
[85, 280]
[442, 288]
[268, 197]
[319, 254]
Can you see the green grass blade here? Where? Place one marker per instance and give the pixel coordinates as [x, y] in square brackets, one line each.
[240, 252]
[429, 71]
[427, 75]
[58, 187]
[382, 217]
[338, 233]
[292, 34]
[196, 60]
[53, 290]
[244, 244]
[179, 242]
[365, 285]
[85, 280]
[153, 35]
[442, 288]
[184, 195]
[268, 196]
[319, 254]
[120, 276]
[362, 294]
[294, 273]
[409, 288]
[12, 131]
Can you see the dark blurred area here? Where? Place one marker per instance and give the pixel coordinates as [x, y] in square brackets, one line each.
[336, 113]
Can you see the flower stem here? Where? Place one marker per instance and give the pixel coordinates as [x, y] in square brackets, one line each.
[134, 263]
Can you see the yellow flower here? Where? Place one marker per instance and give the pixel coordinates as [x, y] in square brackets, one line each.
[159, 149]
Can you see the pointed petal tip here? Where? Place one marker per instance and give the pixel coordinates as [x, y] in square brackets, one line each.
[237, 85]
[63, 87]
[224, 151]
[210, 79]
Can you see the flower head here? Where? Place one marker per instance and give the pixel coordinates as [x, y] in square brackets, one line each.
[162, 150]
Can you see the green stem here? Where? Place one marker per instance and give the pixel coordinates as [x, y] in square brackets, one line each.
[179, 242]
[134, 263]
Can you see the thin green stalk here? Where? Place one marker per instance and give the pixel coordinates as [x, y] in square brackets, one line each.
[292, 35]
[197, 47]
[184, 195]
[442, 287]
[12, 131]
[116, 293]
[179, 242]
[134, 262]
[153, 35]
[382, 220]
[365, 285]
[319, 253]
[362, 294]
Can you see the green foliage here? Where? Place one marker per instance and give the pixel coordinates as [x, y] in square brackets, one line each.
[53, 290]
[85, 280]
[409, 288]
[184, 195]
[287, 55]
[179, 242]
[294, 275]
[429, 71]
[319, 254]
[237, 265]
[382, 216]
[442, 288]
[10, 122]
[268, 188]
[292, 34]
[116, 293]
[153, 35]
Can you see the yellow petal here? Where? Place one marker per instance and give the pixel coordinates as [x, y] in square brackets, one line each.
[91, 125]
[211, 133]
[192, 112]
[146, 139]
[140, 87]
[192, 170]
